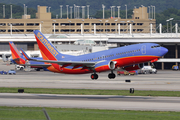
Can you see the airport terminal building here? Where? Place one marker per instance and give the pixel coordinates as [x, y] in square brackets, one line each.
[140, 28]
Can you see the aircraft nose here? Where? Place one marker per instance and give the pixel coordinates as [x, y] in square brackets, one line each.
[164, 51]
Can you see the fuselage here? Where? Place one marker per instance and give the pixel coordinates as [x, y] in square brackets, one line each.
[123, 56]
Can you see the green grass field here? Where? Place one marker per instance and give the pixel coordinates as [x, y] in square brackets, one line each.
[36, 113]
[91, 92]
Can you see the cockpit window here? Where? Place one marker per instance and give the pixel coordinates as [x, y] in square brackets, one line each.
[155, 46]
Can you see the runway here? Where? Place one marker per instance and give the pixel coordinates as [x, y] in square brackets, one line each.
[91, 101]
[163, 81]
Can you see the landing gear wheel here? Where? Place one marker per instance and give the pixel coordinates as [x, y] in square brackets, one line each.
[94, 76]
[111, 76]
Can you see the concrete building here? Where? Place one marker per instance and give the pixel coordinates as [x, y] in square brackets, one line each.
[139, 23]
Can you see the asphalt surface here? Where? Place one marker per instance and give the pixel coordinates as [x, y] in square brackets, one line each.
[91, 101]
[163, 80]
[167, 80]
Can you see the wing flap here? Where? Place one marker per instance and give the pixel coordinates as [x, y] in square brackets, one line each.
[68, 63]
[37, 65]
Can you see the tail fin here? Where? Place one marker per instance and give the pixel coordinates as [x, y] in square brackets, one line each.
[48, 51]
[25, 55]
[16, 56]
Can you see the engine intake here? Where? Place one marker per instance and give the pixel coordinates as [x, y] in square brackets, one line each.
[112, 65]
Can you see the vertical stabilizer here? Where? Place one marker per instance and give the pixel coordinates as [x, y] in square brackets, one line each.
[16, 56]
[48, 51]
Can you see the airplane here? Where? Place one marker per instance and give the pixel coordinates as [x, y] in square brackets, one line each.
[129, 57]
[19, 59]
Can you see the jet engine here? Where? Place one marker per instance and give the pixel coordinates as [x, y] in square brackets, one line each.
[105, 65]
[111, 65]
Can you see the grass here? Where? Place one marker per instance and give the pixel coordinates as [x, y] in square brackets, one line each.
[91, 92]
[36, 113]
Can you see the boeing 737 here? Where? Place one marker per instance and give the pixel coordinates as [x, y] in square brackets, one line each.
[129, 57]
[19, 59]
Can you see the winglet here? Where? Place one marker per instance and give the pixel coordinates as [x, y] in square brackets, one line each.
[25, 55]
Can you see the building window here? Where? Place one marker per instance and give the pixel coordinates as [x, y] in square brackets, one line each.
[56, 24]
[139, 23]
[16, 30]
[2, 24]
[56, 30]
[86, 23]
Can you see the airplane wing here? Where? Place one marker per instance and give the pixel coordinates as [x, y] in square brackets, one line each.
[76, 64]
[37, 65]
[67, 63]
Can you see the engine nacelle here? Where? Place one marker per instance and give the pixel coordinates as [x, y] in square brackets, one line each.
[134, 67]
[111, 65]
[105, 65]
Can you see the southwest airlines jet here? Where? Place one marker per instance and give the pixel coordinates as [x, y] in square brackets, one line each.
[128, 57]
[19, 59]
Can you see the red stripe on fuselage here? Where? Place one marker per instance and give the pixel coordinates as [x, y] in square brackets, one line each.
[121, 62]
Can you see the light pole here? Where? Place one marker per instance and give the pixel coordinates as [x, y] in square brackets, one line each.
[69, 30]
[126, 11]
[171, 19]
[100, 32]
[106, 29]
[111, 11]
[83, 28]
[24, 11]
[74, 11]
[78, 11]
[152, 11]
[88, 11]
[11, 11]
[132, 26]
[83, 14]
[41, 26]
[71, 11]
[167, 25]
[103, 10]
[67, 11]
[61, 10]
[142, 11]
[118, 11]
[115, 28]
[149, 11]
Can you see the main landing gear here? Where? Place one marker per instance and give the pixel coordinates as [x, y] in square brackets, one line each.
[94, 76]
[111, 75]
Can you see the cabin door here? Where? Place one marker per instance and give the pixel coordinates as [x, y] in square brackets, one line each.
[143, 49]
